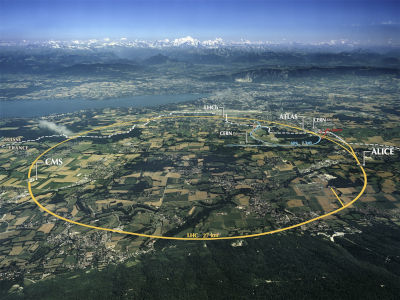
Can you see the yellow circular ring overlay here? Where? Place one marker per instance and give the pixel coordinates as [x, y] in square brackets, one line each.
[345, 146]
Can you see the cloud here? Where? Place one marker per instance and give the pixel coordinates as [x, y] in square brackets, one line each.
[390, 22]
[60, 129]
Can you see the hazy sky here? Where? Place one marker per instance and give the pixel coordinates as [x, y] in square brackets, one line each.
[374, 22]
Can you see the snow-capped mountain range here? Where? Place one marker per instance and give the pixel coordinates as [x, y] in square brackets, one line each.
[184, 42]
[187, 41]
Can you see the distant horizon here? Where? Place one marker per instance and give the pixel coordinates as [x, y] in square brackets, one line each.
[182, 41]
[108, 40]
[365, 22]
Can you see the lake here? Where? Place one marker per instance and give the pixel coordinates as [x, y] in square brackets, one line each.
[38, 108]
